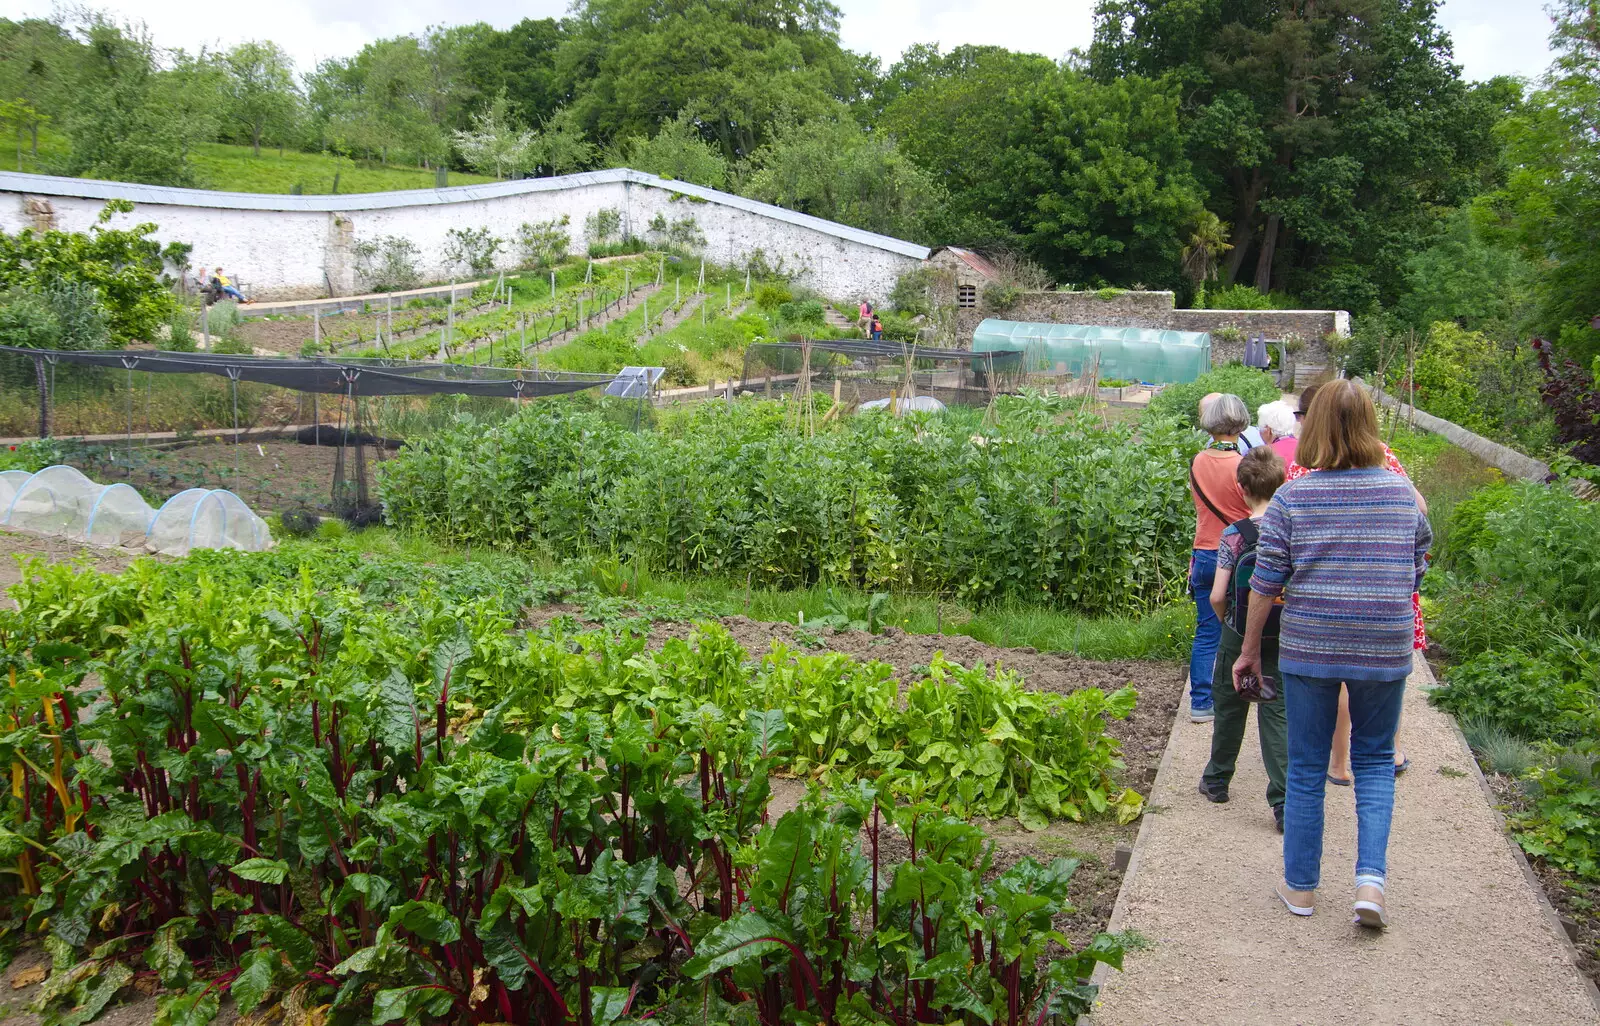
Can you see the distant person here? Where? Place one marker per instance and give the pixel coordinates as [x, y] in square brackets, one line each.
[866, 310]
[1218, 502]
[1278, 426]
[221, 282]
[1249, 438]
[1345, 548]
[877, 329]
[201, 281]
[1260, 474]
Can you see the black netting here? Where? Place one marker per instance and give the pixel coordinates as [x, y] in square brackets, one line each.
[362, 376]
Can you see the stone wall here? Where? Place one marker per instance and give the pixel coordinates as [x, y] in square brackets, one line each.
[1158, 310]
[296, 247]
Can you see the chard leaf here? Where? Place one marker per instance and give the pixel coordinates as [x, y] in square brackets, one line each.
[410, 1003]
[193, 1009]
[608, 1004]
[428, 920]
[736, 942]
[255, 978]
[166, 955]
[267, 871]
[96, 996]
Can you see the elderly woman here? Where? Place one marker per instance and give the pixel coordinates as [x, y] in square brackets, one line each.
[1343, 549]
[1218, 502]
[1279, 427]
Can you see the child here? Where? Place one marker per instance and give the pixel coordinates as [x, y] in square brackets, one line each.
[1260, 474]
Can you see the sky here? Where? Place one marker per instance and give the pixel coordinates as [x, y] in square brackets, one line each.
[1492, 37]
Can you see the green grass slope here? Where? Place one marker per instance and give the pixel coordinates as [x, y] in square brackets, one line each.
[235, 169]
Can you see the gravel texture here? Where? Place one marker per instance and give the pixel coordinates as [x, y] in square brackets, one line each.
[1470, 939]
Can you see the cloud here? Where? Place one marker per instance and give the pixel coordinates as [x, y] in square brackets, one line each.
[1492, 37]
[1497, 37]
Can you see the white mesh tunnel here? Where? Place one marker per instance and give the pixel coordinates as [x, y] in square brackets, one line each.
[201, 518]
[62, 502]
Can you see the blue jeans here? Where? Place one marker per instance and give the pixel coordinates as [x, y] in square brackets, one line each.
[235, 293]
[1312, 705]
[1207, 628]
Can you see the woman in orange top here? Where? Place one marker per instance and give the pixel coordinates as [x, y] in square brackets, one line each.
[1218, 502]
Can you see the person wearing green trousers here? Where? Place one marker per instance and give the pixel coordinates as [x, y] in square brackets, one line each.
[1260, 474]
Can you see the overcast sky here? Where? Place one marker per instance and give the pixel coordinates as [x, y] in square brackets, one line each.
[1492, 37]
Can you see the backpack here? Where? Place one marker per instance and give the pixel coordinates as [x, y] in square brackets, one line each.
[1239, 585]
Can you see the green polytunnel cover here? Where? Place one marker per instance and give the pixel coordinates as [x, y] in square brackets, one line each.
[1136, 354]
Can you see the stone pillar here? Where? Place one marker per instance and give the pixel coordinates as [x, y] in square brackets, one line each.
[339, 256]
[39, 213]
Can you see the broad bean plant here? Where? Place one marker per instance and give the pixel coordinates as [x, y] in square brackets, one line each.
[1056, 509]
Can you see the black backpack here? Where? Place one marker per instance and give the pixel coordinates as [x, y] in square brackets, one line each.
[1239, 586]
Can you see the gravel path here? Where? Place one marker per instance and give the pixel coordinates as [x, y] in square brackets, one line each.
[1469, 942]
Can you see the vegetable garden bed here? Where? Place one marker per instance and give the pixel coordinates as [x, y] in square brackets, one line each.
[326, 785]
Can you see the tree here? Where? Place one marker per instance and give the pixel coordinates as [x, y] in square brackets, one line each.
[122, 125]
[1549, 205]
[1208, 241]
[676, 151]
[829, 168]
[740, 65]
[1329, 133]
[37, 60]
[953, 114]
[379, 101]
[495, 145]
[260, 90]
[560, 147]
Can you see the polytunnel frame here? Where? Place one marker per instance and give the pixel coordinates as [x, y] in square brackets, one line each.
[194, 515]
[94, 511]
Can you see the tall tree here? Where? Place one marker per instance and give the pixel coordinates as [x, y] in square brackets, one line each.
[380, 101]
[37, 62]
[830, 168]
[740, 65]
[677, 151]
[496, 144]
[1329, 133]
[1550, 202]
[260, 90]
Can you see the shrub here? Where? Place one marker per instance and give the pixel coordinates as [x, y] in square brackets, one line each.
[1564, 825]
[388, 264]
[1545, 543]
[1469, 379]
[805, 311]
[771, 295]
[1570, 393]
[104, 285]
[1182, 402]
[1527, 696]
[26, 320]
[472, 248]
[1469, 521]
[603, 226]
[1245, 297]
[545, 243]
[1083, 515]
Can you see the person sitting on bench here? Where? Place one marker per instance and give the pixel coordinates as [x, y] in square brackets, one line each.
[220, 281]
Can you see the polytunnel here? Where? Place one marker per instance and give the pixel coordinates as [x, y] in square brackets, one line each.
[61, 501]
[1136, 354]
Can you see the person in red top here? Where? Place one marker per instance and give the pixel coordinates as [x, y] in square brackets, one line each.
[1339, 759]
[1218, 502]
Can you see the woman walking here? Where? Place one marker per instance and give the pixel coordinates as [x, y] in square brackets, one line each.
[1344, 548]
[1218, 502]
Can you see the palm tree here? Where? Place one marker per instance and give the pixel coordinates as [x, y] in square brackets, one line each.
[1207, 242]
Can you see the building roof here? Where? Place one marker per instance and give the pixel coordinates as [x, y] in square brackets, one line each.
[977, 261]
[88, 188]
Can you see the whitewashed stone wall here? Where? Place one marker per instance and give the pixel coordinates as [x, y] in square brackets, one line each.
[295, 247]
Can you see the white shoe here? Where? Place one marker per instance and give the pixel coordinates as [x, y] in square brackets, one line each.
[1301, 903]
[1369, 908]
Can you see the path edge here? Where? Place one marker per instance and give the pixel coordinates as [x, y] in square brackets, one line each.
[1546, 909]
[1119, 911]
